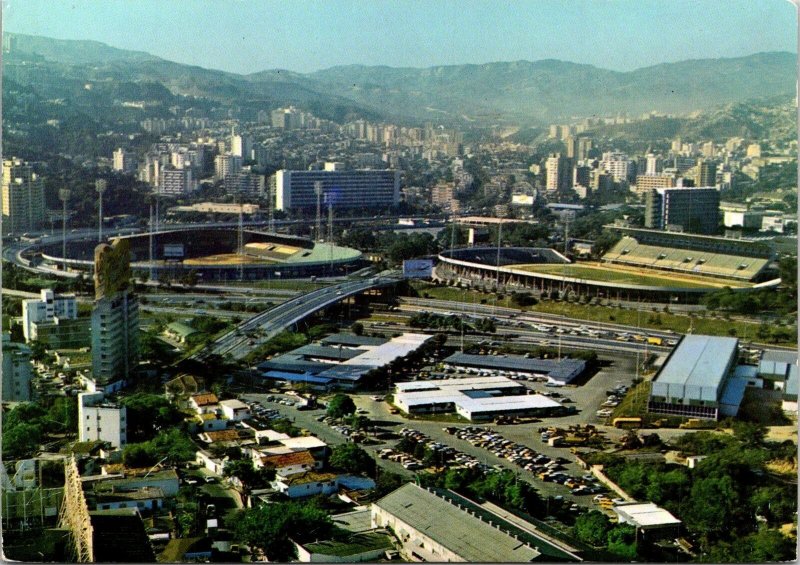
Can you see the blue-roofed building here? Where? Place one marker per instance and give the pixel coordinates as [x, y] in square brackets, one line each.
[695, 381]
[561, 371]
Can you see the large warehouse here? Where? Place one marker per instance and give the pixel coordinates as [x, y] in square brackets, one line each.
[556, 371]
[697, 380]
[340, 360]
[476, 399]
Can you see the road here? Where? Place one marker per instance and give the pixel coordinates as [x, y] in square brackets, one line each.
[266, 325]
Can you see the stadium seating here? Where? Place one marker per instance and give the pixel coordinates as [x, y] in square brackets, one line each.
[508, 255]
[629, 251]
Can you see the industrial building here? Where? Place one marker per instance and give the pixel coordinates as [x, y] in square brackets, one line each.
[340, 360]
[651, 522]
[476, 399]
[557, 371]
[438, 525]
[697, 380]
[363, 188]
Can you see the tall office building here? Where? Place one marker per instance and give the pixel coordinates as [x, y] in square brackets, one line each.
[241, 146]
[244, 183]
[341, 188]
[559, 173]
[690, 209]
[22, 198]
[115, 317]
[706, 174]
[654, 164]
[17, 371]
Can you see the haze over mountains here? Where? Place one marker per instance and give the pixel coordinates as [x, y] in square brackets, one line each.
[512, 92]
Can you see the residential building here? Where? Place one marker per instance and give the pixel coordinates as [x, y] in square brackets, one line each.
[690, 209]
[244, 182]
[23, 204]
[559, 173]
[176, 182]
[443, 195]
[618, 165]
[17, 371]
[648, 182]
[654, 164]
[115, 317]
[124, 161]
[341, 189]
[706, 174]
[234, 409]
[101, 420]
[225, 165]
[49, 307]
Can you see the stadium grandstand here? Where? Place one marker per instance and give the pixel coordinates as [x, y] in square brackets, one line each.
[697, 255]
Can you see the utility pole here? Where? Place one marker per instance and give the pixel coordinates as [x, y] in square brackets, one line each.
[330, 234]
[100, 186]
[318, 226]
[63, 195]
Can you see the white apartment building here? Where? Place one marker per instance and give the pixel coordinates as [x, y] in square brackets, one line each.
[101, 420]
[124, 161]
[46, 309]
[618, 165]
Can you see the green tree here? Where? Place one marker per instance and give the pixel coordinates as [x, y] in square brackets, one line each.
[622, 542]
[340, 406]
[270, 526]
[350, 458]
[357, 328]
[592, 528]
[148, 413]
[138, 455]
[751, 434]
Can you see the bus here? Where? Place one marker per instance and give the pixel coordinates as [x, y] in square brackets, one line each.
[627, 423]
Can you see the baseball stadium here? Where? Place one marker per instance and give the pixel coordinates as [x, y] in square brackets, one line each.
[648, 265]
[219, 254]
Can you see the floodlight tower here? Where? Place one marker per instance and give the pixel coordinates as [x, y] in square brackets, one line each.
[100, 186]
[330, 231]
[63, 195]
[318, 192]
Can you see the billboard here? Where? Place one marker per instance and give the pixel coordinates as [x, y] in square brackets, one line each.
[112, 267]
[418, 268]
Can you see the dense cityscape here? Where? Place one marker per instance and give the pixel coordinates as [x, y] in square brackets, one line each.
[377, 314]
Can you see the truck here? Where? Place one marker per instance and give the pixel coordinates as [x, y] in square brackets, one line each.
[654, 340]
[627, 423]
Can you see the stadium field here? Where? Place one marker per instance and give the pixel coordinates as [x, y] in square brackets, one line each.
[627, 275]
[228, 259]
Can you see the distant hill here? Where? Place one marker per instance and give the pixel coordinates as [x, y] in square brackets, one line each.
[522, 92]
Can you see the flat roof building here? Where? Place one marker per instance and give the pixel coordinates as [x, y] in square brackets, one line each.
[479, 398]
[364, 188]
[695, 379]
[438, 525]
[562, 371]
[651, 521]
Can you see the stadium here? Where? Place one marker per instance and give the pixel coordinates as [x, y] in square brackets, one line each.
[218, 254]
[648, 265]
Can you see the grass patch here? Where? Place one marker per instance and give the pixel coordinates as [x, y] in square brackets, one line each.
[625, 276]
[645, 319]
[634, 404]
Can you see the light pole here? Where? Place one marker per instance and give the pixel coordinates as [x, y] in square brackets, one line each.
[63, 195]
[100, 186]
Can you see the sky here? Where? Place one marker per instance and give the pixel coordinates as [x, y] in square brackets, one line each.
[246, 36]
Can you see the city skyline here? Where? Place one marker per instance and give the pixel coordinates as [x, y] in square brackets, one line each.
[245, 37]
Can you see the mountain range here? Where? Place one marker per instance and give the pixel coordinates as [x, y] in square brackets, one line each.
[520, 92]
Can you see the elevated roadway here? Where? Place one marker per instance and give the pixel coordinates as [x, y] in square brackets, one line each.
[264, 326]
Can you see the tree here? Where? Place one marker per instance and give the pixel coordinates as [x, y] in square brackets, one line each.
[340, 406]
[350, 458]
[148, 413]
[138, 455]
[622, 542]
[592, 528]
[270, 526]
[246, 472]
[751, 434]
[358, 328]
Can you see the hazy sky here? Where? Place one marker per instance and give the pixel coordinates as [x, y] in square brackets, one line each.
[303, 35]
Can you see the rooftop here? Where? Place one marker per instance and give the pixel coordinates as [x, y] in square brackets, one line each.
[306, 477]
[287, 459]
[205, 399]
[699, 360]
[351, 340]
[233, 404]
[646, 515]
[561, 370]
[460, 531]
[353, 545]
